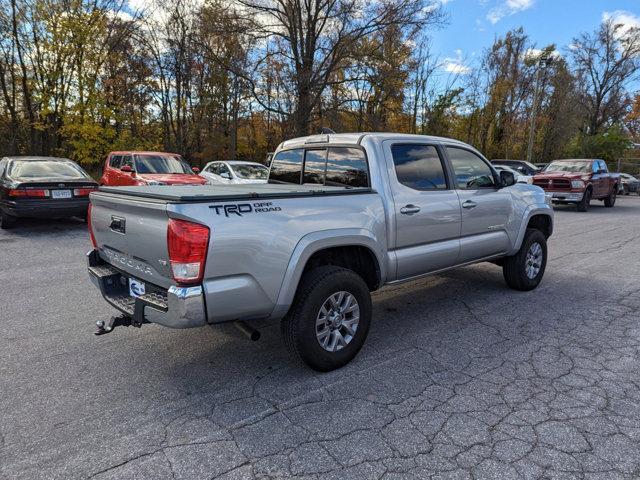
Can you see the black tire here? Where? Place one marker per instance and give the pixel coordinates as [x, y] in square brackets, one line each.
[6, 221]
[583, 205]
[299, 326]
[610, 201]
[514, 269]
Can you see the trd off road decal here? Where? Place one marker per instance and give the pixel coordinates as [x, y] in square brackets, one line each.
[240, 209]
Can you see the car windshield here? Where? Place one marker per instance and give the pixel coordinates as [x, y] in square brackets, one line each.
[251, 172]
[161, 164]
[577, 166]
[45, 169]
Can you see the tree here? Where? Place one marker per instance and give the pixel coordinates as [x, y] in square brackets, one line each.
[606, 61]
[315, 37]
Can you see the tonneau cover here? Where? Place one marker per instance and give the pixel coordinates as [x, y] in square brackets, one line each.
[209, 193]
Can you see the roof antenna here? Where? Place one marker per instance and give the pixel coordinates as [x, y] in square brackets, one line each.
[326, 131]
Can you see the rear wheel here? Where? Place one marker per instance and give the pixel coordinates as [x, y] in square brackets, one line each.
[583, 205]
[524, 270]
[6, 221]
[329, 319]
[610, 201]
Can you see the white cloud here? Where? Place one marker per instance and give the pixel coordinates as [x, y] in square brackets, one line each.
[535, 53]
[456, 65]
[627, 19]
[507, 8]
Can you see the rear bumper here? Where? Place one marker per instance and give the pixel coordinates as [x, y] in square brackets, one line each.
[46, 208]
[175, 307]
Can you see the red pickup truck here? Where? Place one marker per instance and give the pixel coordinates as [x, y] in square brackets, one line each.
[579, 181]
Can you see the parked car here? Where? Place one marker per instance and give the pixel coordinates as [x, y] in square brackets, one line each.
[525, 168]
[42, 187]
[520, 178]
[629, 184]
[235, 172]
[375, 209]
[148, 168]
[579, 181]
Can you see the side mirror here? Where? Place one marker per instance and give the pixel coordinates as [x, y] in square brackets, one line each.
[126, 169]
[195, 169]
[601, 171]
[507, 178]
[226, 175]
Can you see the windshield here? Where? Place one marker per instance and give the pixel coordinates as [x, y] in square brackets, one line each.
[45, 169]
[577, 166]
[161, 164]
[251, 172]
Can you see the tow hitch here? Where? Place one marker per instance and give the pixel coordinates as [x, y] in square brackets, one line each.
[116, 321]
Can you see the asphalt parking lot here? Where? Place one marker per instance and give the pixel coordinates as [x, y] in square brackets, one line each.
[460, 377]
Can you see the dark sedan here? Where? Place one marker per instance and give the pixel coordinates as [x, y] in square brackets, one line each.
[42, 187]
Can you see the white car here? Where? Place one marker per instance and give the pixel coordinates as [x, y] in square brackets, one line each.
[235, 172]
[520, 178]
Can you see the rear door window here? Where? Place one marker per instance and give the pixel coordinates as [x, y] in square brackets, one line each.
[419, 167]
[286, 167]
[346, 167]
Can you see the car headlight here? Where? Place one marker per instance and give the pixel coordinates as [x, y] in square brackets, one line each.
[577, 184]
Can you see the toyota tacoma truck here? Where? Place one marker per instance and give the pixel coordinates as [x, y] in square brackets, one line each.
[579, 181]
[342, 215]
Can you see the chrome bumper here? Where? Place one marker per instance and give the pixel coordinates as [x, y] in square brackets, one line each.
[566, 196]
[176, 307]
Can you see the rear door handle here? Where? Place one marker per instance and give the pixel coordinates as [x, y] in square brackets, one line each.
[469, 204]
[409, 209]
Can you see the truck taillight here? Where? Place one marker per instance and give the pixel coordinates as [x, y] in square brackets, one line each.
[90, 227]
[187, 242]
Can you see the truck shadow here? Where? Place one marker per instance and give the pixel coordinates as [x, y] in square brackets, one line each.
[438, 324]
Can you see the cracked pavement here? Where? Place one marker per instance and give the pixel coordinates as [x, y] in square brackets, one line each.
[459, 378]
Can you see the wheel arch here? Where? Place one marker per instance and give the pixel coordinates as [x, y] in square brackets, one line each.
[356, 249]
[538, 217]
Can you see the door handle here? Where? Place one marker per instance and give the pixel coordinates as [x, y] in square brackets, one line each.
[409, 209]
[469, 204]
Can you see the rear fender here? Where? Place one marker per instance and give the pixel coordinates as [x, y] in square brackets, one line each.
[314, 242]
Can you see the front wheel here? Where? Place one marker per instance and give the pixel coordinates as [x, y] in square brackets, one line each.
[610, 201]
[524, 270]
[329, 319]
[583, 205]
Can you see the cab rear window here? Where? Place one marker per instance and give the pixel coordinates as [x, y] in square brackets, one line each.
[335, 166]
[286, 167]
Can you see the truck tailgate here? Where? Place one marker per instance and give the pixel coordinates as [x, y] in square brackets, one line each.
[131, 234]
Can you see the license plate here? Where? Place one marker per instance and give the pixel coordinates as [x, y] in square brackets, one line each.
[136, 287]
[60, 193]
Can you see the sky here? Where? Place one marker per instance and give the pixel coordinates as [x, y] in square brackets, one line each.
[474, 24]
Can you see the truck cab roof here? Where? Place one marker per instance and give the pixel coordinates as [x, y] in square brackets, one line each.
[358, 138]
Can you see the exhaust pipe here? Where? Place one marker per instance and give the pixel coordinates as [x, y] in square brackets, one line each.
[248, 331]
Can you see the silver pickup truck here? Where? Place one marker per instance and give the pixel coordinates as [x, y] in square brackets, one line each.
[343, 215]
